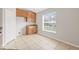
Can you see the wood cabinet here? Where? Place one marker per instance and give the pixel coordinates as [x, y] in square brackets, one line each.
[31, 29]
[21, 13]
[28, 14]
[32, 16]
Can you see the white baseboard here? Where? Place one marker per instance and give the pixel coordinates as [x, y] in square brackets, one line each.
[7, 43]
[62, 41]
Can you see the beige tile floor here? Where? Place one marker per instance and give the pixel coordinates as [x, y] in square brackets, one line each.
[37, 42]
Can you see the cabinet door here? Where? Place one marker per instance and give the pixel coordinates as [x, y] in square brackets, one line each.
[34, 29]
[29, 14]
[21, 13]
[31, 29]
[32, 16]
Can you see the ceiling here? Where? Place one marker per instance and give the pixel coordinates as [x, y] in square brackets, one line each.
[36, 10]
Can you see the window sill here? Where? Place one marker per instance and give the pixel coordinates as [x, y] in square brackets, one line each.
[50, 31]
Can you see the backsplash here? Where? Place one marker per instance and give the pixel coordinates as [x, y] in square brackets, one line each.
[29, 22]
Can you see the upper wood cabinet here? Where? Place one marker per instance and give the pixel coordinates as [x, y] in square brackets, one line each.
[27, 14]
[21, 13]
[32, 16]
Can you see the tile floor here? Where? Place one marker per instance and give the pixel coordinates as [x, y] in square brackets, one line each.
[37, 42]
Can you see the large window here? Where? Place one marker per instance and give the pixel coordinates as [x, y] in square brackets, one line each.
[49, 22]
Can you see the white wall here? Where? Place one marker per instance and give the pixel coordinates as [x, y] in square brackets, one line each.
[9, 25]
[0, 16]
[1, 26]
[21, 25]
[67, 25]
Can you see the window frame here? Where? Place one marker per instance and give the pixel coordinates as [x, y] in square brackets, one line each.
[43, 16]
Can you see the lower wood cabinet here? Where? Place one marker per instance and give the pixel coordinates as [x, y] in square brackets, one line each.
[31, 29]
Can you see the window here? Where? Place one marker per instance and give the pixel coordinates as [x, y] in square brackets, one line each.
[49, 22]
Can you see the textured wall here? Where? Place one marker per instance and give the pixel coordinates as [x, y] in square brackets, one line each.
[67, 25]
